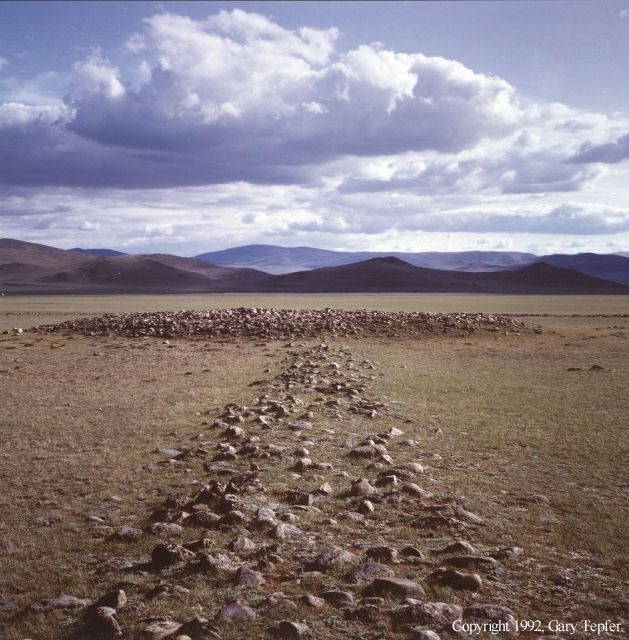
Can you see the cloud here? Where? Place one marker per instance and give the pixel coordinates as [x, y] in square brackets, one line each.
[609, 152]
[623, 14]
[3, 63]
[238, 97]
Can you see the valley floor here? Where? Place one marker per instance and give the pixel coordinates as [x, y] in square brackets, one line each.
[527, 432]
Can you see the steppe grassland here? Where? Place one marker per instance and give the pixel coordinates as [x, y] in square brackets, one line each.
[538, 450]
[25, 311]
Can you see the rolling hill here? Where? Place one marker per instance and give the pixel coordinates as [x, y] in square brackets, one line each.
[33, 268]
[389, 274]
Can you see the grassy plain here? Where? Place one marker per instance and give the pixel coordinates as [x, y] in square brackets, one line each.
[540, 451]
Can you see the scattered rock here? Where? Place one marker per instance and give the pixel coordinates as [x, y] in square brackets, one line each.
[236, 610]
[337, 598]
[331, 557]
[292, 630]
[456, 579]
[395, 587]
[62, 601]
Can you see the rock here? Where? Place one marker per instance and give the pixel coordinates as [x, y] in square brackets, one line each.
[415, 490]
[197, 628]
[395, 587]
[246, 577]
[160, 630]
[115, 564]
[166, 528]
[167, 554]
[102, 623]
[382, 553]
[236, 610]
[413, 467]
[478, 562]
[423, 634]
[467, 516]
[431, 613]
[503, 553]
[367, 571]
[220, 563]
[337, 598]
[242, 545]
[325, 489]
[114, 599]
[292, 630]
[287, 532]
[331, 557]
[456, 579]
[412, 552]
[366, 507]
[168, 454]
[62, 601]
[127, 534]
[492, 613]
[460, 546]
[303, 464]
[313, 601]
[362, 487]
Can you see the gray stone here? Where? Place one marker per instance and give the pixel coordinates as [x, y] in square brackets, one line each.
[331, 557]
[292, 630]
[456, 579]
[61, 601]
[236, 610]
[395, 587]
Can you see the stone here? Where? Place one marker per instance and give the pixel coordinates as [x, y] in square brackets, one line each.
[160, 630]
[127, 534]
[167, 554]
[313, 601]
[286, 532]
[366, 507]
[337, 598]
[382, 553]
[460, 546]
[114, 599]
[412, 552]
[395, 587]
[362, 487]
[102, 623]
[456, 579]
[62, 601]
[331, 557]
[431, 613]
[292, 630]
[423, 634]
[236, 610]
[166, 528]
[242, 544]
[415, 490]
[467, 516]
[367, 571]
[491, 613]
[465, 562]
[246, 577]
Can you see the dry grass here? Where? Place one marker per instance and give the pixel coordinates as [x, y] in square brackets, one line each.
[540, 452]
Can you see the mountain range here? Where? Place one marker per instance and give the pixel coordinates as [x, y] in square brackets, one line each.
[29, 268]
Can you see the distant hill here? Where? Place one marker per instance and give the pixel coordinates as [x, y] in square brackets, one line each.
[32, 268]
[609, 267]
[27, 267]
[277, 260]
[99, 253]
[392, 274]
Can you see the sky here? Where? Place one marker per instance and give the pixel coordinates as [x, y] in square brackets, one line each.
[186, 127]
